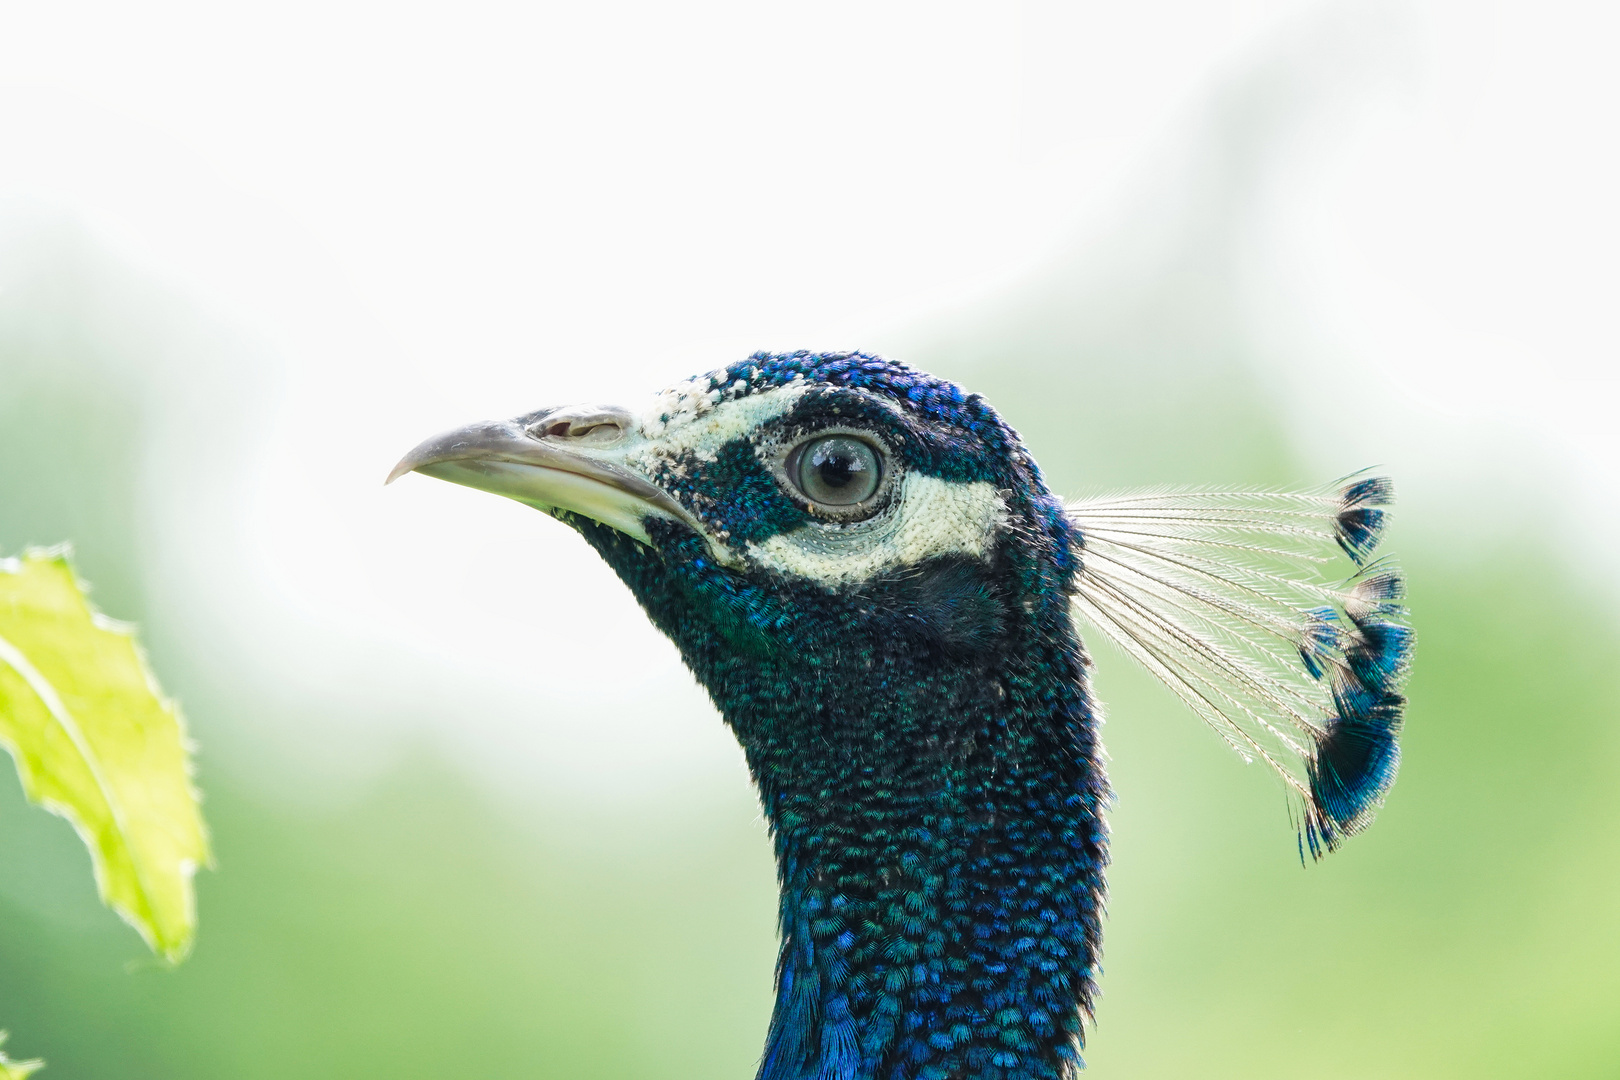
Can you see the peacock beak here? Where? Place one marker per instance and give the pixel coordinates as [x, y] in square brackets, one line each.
[569, 459]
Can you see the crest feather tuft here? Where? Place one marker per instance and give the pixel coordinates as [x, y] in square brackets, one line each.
[1228, 597]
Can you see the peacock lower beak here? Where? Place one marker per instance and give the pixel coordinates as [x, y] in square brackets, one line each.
[568, 459]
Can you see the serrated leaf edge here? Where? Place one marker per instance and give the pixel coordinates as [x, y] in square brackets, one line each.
[13, 657]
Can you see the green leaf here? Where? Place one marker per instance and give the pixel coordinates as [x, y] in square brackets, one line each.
[16, 1070]
[96, 742]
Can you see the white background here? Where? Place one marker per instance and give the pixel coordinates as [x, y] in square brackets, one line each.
[414, 216]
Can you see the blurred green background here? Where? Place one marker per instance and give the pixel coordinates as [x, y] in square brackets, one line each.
[423, 914]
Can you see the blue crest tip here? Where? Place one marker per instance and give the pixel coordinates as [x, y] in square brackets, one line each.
[1359, 524]
[1356, 758]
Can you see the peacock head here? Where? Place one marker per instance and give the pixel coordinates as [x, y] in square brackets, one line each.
[836, 510]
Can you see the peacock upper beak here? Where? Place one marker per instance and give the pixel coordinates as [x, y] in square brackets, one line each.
[567, 459]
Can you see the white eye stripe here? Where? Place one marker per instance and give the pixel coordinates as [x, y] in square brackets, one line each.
[701, 428]
[931, 517]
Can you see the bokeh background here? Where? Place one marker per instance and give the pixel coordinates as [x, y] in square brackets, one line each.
[472, 818]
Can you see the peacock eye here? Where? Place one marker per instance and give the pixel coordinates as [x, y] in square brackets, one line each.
[836, 470]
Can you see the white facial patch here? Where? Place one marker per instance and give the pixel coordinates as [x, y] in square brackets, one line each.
[932, 517]
[701, 423]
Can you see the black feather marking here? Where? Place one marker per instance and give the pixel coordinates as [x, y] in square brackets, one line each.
[948, 603]
[1360, 521]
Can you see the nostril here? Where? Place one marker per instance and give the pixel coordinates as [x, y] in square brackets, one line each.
[593, 425]
[594, 430]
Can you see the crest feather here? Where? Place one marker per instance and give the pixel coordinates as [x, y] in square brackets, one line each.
[1230, 599]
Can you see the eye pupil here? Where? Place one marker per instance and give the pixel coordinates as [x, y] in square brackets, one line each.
[838, 470]
[834, 468]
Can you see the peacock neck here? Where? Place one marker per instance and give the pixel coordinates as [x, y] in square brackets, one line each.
[927, 757]
[940, 849]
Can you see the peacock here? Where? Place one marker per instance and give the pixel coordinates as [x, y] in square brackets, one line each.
[863, 566]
